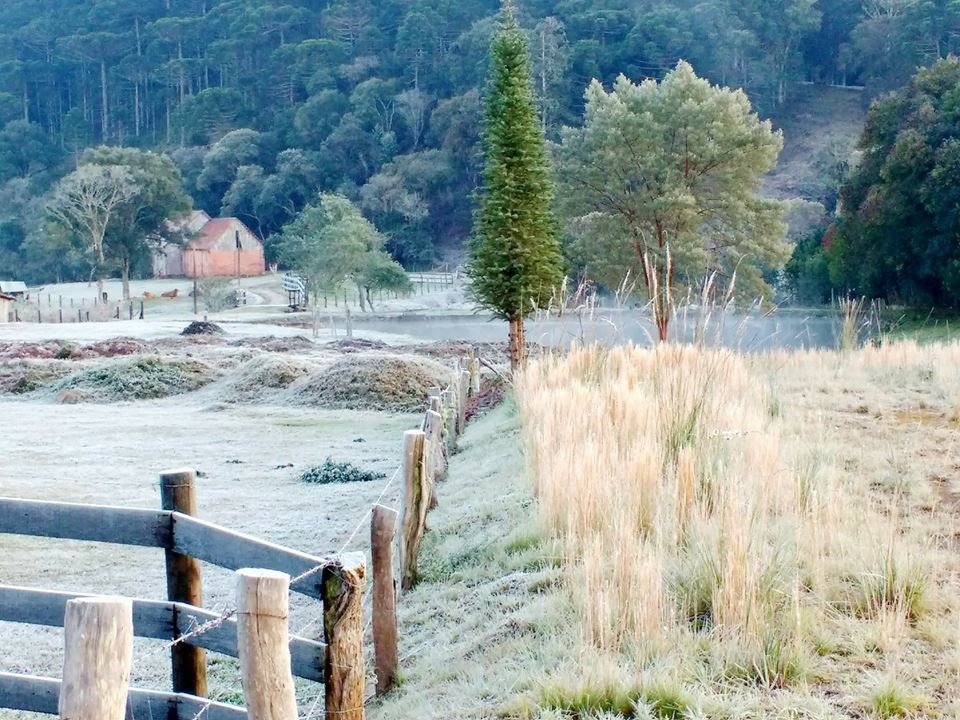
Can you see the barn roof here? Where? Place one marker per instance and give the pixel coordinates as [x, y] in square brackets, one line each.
[211, 233]
[13, 286]
[4, 296]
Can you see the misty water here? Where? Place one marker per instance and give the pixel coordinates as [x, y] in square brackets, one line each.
[753, 332]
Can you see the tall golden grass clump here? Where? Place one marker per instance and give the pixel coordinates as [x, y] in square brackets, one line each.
[658, 473]
[660, 479]
[704, 526]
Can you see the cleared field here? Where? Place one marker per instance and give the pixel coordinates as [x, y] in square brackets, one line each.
[263, 412]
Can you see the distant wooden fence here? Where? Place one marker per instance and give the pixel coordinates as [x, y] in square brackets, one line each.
[269, 657]
[49, 308]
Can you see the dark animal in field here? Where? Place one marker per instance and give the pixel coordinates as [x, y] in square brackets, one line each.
[170, 293]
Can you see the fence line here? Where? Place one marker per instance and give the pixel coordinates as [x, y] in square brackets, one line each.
[269, 662]
[157, 620]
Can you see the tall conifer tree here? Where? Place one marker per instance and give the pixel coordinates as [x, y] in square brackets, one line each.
[515, 256]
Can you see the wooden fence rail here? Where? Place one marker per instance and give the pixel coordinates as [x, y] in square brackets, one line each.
[160, 529]
[158, 620]
[41, 695]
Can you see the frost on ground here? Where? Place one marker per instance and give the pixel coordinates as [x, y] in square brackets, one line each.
[250, 414]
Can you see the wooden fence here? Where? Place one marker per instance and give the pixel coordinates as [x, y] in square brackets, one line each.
[49, 308]
[188, 629]
[255, 631]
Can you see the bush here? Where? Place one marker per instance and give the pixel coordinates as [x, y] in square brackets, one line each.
[145, 378]
[334, 472]
[389, 383]
[217, 294]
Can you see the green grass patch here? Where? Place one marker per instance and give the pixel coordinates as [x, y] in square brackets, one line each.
[338, 472]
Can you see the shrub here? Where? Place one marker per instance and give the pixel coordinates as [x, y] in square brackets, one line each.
[217, 294]
[392, 383]
[342, 472]
[145, 378]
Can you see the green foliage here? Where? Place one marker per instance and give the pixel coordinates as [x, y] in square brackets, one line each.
[358, 85]
[145, 378]
[331, 244]
[515, 257]
[338, 472]
[660, 185]
[896, 238]
[807, 273]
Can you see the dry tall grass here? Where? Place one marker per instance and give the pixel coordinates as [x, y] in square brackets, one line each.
[698, 532]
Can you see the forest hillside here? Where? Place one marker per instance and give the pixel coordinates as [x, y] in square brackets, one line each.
[264, 103]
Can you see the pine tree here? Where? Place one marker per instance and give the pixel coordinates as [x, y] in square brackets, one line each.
[515, 256]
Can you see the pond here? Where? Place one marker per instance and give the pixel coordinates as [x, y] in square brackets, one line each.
[753, 332]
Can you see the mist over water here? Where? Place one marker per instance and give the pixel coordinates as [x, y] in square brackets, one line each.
[753, 332]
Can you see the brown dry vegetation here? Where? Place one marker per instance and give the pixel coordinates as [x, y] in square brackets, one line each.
[700, 534]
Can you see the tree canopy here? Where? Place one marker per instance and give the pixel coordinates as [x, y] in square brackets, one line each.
[381, 99]
[898, 233]
[331, 245]
[515, 260]
[660, 185]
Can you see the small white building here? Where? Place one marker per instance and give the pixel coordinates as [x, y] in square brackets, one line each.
[6, 307]
[14, 287]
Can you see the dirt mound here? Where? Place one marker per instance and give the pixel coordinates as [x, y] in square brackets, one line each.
[277, 345]
[62, 350]
[145, 378]
[26, 376]
[113, 348]
[395, 383]
[53, 349]
[202, 327]
[259, 378]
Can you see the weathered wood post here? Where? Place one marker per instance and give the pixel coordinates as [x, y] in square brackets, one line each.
[474, 368]
[342, 583]
[448, 402]
[98, 655]
[435, 460]
[416, 501]
[463, 393]
[263, 644]
[184, 585]
[383, 525]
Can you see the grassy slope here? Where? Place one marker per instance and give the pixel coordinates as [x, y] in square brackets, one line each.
[487, 616]
[491, 632]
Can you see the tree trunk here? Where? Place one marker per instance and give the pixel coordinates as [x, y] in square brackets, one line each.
[99, 270]
[363, 305]
[125, 275]
[369, 300]
[518, 343]
[105, 120]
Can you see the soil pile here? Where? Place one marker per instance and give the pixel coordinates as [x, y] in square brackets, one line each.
[145, 378]
[393, 383]
[202, 327]
[259, 379]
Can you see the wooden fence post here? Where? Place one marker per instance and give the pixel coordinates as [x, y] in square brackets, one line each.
[98, 655]
[342, 584]
[448, 400]
[263, 644]
[435, 453]
[463, 393]
[383, 527]
[474, 375]
[178, 494]
[416, 500]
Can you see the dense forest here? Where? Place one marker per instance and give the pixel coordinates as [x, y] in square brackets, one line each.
[262, 104]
